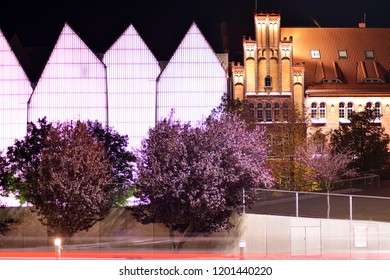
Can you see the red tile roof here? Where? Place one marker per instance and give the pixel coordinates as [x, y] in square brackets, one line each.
[329, 41]
[363, 89]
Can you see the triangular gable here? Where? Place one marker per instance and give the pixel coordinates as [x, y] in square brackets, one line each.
[15, 91]
[130, 40]
[132, 71]
[78, 51]
[194, 80]
[72, 85]
[196, 52]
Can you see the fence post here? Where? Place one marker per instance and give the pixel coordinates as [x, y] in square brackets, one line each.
[350, 207]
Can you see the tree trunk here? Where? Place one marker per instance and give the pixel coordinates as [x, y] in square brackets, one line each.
[176, 246]
[328, 202]
[172, 237]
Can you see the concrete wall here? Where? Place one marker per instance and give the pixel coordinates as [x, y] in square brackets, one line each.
[264, 235]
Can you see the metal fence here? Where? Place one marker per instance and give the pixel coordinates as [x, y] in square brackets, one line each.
[364, 182]
[315, 205]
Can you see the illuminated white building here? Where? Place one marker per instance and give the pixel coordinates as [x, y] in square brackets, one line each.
[193, 82]
[73, 85]
[132, 71]
[15, 90]
[125, 88]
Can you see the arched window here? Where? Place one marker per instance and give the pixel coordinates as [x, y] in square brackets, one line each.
[252, 109]
[368, 106]
[349, 110]
[322, 110]
[260, 115]
[268, 81]
[313, 110]
[277, 112]
[268, 112]
[341, 110]
[377, 110]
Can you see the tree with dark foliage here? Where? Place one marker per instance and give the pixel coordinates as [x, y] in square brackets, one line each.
[22, 159]
[192, 179]
[69, 188]
[366, 138]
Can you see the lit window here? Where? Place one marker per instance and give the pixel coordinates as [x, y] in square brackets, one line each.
[341, 110]
[268, 112]
[315, 54]
[369, 54]
[260, 116]
[342, 54]
[377, 110]
[322, 110]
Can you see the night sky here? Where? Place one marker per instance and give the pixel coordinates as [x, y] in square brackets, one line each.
[162, 24]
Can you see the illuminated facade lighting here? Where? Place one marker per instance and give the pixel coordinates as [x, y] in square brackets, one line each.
[132, 71]
[124, 89]
[15, 90]
[193, 82]
[72, 85]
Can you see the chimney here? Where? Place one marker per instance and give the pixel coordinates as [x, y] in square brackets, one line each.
[363, 23]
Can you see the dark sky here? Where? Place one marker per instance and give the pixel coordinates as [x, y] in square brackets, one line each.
[162, 24]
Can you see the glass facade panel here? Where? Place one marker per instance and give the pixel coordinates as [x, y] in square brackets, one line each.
[125, 88]
[15, 91]
[72, 85]
[193, 82]
[132, 71]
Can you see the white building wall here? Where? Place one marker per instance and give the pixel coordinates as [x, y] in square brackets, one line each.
[72, 85]
[132, 71]
[193, 82]
[15, 90]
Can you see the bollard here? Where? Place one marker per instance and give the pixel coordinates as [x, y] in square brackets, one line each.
[242, 245]
[57, 247]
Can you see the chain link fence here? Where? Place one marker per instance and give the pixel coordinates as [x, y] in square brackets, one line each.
[315, 205]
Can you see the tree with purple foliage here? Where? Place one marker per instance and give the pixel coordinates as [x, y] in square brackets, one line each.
[326, 167]
[192, 179]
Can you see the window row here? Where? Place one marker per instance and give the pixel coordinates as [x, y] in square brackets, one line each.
[342, 54]
[268, 112]
[318, 111]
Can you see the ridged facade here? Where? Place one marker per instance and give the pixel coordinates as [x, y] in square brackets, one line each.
[124, 88]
